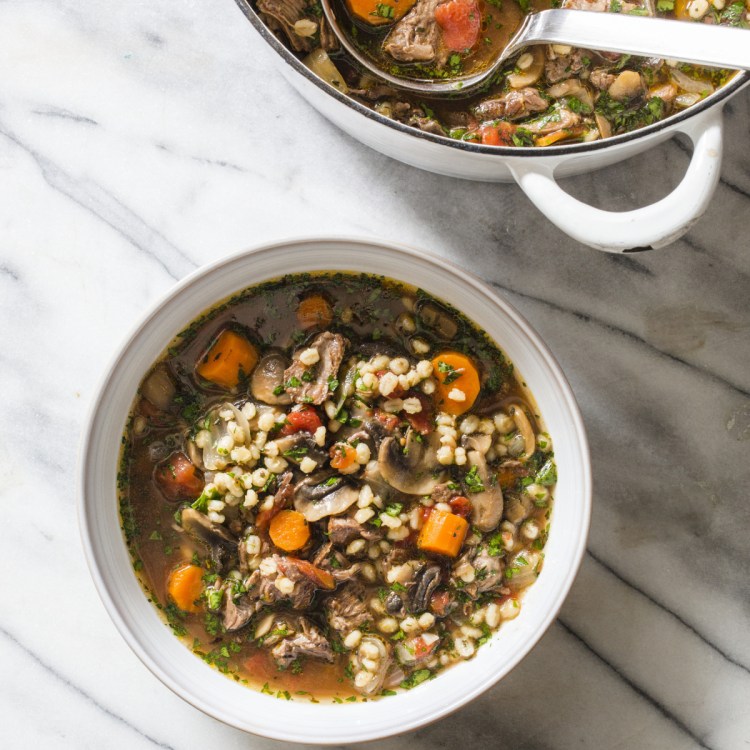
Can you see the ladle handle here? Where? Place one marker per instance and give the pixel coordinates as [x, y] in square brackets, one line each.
[698, 43]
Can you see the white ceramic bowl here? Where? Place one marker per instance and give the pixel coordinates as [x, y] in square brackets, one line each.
[138, 621]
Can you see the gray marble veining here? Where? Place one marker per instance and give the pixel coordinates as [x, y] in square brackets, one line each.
[138, 141]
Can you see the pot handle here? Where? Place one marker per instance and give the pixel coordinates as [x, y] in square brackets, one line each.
[646, 228]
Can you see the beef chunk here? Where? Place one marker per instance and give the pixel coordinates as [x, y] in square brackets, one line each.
[344, 529]
[416, 37]
[306, 642]
[346, 610]
[512, 106]
[331, 347]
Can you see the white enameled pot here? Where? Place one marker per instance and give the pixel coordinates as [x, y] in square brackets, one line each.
[536, 170]
[137, 619]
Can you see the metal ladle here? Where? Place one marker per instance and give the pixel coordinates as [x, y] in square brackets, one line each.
[699, 43]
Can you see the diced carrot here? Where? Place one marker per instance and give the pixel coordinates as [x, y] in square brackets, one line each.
[230, 357]
[497, 135]
[178, 478]
[377, 12]
[421, 421]
[343, 456]
[317, 575]
[443, 533]
[461, 22]
[185, 586]
[314, 311]
[289, 530]
[461, 506]
[304, 419]
[455, 372]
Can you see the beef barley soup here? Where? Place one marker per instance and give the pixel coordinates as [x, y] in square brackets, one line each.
[547, 95]
[334, 486]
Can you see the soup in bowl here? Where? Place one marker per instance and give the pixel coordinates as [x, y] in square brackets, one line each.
[333, 488]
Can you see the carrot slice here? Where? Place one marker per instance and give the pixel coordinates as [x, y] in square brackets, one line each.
[185, 586]
[378, 12]
[461, 22]
[458, 382]
[289, 530]
[550, 138]
[314, 311]
[443, 533]
[230, 357]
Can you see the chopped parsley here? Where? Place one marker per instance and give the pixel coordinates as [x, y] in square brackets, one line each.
[450, 372]
[416, 678]
[472, 481]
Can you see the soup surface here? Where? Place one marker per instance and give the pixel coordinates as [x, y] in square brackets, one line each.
[334, 486]
[547, 95]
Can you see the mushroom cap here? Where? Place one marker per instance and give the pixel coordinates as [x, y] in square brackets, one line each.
[413, 470]
[315, 498]
[487, 505]
[267, 377]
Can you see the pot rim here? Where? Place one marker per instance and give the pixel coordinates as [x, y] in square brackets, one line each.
[715, 99]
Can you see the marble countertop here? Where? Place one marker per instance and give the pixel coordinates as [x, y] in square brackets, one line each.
[140, 140]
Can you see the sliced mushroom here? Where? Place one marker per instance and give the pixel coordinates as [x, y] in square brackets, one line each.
[158, 388]
[316, 501]
[487, 505]
[525, 428]
[299, 446]
[427, 581]
[605, 129]
[626, 86]
[413, 469]
[531, 73]
[268, 377]
[522, 569]
[221, 545]
[439, 320]
[572, 87]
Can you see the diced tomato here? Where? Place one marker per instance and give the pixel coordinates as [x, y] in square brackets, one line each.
[304, 419]
[389, 421]
[422, 649]
[426, 513]
[178, 478]
[397, 392]
[422, 420]
[461, 506]
[461, 22]
[439, 602]
[497, 135]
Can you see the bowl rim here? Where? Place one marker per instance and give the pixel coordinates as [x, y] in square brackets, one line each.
[740, 79]
[101, 394]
